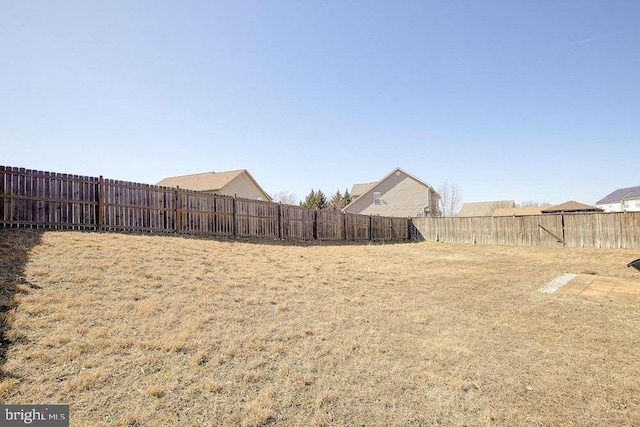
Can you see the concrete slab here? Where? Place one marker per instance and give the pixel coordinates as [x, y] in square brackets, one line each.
[601, 287]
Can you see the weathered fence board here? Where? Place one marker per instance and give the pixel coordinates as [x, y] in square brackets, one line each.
[34, 198]
[630, 225]
[599, 230]
[197, 213]
[45, 199]
[400, 228]
[256, 218]
[296, 222]
[358, 227]
[224, 219]
[137, 207]
[330, 225]
[37, 199]
[381, 228]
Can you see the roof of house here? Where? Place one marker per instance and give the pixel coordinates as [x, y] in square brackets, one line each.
[359, 189]
[570, 206]
[530, 210]
[620, 194]
[484, 208]
[208, 181]
[370, 186]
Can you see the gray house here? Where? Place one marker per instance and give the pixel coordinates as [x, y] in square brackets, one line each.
[398, 194]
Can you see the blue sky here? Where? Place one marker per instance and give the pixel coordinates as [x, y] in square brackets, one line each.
[523, 100]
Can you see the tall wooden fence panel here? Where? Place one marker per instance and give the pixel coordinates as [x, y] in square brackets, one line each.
[224, 215]
[400, 228]
[296, 223]
[136, 207]
[196, 213]
[630, 224]
[35, 198]
[256, 219]
[597, 230]
[30, 198]
[330, 225]
[357, 227]
[580, 231]
[381, 228]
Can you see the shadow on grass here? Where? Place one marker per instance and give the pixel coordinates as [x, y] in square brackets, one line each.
[270, 241]
[15, 244]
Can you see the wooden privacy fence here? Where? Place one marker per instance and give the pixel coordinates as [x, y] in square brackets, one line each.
[30, 198]
[594, 230]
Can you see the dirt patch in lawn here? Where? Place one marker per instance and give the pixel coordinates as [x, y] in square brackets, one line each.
[161, 330]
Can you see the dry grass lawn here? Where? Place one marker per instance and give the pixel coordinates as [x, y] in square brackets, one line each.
[162, 331]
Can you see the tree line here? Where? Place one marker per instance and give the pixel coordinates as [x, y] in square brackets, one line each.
[318, 200]
[449, 202]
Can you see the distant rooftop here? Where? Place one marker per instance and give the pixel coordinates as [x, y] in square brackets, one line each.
[620, 194]
[532, 210]
[570, 206]
[207, 181]
[484, 208]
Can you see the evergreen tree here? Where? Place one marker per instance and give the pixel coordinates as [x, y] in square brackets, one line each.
[337, 201]
[315, 200]
[321, 200]
[346, 198]
[308, 200]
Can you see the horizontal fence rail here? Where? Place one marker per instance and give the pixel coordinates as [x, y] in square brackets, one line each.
[586, 230]
[31, 198]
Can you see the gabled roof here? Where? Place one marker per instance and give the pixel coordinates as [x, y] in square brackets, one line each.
[530, 210]
[371, 186]
[570, 206]
[208, 181]
[359, 189]
[620, 194]
[484, 208]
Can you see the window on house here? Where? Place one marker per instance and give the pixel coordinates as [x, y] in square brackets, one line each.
[626, 205]
[376, 198]
[637, 203]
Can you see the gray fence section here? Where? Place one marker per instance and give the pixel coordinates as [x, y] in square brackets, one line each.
[593, 230]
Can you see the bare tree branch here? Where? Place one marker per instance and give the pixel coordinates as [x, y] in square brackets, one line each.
[450, 198]
[285, 197]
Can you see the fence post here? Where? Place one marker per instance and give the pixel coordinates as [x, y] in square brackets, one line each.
[370, 227]
[178, 211]
[315, 224]
[344, 226]
[279, 220]
[235, 217]
[215, 217]
[393, 236]
[621, 242]
[100, 203]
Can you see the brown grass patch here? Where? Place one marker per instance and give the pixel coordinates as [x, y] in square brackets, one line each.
[159, 330]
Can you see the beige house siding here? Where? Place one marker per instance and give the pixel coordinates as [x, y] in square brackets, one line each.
[244, 187]
[238, 183]
[400, 196]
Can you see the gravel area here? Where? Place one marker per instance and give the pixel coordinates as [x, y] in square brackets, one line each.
[557, 283]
